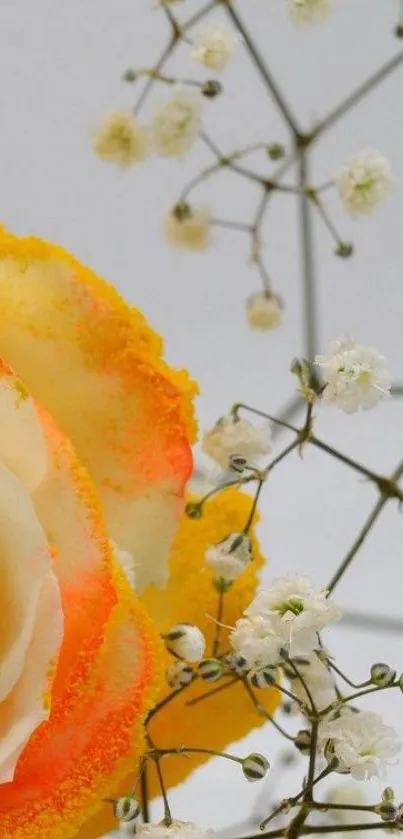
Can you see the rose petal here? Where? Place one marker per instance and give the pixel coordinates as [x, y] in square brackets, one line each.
[107, 672]
[97, 367]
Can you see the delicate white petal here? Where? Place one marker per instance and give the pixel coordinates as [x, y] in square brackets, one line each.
[364, 182]
[122, 140]
[176, 124]
[263, 311]
[213, 46]
[355, 376]
[190, 231]
[309, 11]
[361, 742]
[232, 435]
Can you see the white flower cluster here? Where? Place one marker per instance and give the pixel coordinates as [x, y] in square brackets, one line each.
[234, 436]
[214, 45]
[288, 616]
[355, 376]
[190, 229]
[359, 742]
[263, 311]
[176, 830]
[229, 558]
[121, 139]
[309, 11]
[364, 182]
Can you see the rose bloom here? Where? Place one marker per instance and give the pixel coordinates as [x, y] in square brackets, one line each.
[94, 447]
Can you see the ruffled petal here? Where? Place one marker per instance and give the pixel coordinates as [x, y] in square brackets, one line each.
[96, 367]
[107, 673]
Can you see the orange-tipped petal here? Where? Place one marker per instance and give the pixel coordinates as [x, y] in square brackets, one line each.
[96, 366]
[107, 674]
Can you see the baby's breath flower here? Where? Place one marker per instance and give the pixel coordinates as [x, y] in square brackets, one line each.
[360, 742]
[232, 435]
[294, 611]
[176, 124]
[213, 46]
[186, 641]
[255, 642]
[230, 557]
[355, 376]
[364, 182]
[263, 311]
[189, 230]
[122, 140]
[309, 11]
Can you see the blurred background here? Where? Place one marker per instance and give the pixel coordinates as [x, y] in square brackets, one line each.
[61, 69]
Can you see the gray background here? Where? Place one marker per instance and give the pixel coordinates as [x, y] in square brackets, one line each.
[61, 65]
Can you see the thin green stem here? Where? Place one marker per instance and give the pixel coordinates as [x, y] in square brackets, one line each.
[145, 804]
[203, 696]
[218, 626]
[261, 66]
[184, 750]
[262, 711]
[248, 524]
[310, 319]
[345, 106]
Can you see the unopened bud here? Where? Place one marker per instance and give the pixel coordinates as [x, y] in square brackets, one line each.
[255, 766]
[275, 151]
[399, 30]
[236, 664]
[262, 678]
[194, 510]
[303, 741]
[210, 669]
[344, 250]
[382, 675]
[388, 794]
[129, 76]
[179, 674]
[237, 463]
[387, 811]
[185, 641]
[211, 88]
[126, 809]
[399, 815]
[182, 211]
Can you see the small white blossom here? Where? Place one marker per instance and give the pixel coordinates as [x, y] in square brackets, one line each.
[185, 641]
[230, 557]
[294, 611]
[189, 229]
[176, 830]
[364, 182]
[318, 680]
[232, 435]
[213, 45]
[263, 311]
[355, 376]
[309, 11]
[122, 140]
[360, 742]
[176, 124]
[258, 645]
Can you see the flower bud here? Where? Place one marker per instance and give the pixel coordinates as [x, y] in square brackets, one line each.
[179, 674]
[237, 463]
[255, 766]
[236, 664]
[210, 669]
[399, 815]
[182, 211]
[263, 678]
[303, 741]
[388, 794]
[344, 249]
[129, 76]
[194, 510]
[185, 641]
[126, 808]
[387, 811]
[399, 30]
[382, 675]
[211, 88]
[275, 151]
